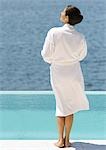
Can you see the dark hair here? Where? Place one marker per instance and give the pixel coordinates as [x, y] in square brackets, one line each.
[74, 15]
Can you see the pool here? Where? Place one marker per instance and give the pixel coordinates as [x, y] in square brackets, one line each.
[31, 115]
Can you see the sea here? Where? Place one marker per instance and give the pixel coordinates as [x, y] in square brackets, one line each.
[23, 28]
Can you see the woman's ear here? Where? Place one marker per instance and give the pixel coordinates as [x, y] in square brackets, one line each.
[66, 19]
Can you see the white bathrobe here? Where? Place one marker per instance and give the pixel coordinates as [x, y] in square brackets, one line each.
[63, 49]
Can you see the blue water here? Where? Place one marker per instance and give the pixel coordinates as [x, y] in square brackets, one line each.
[23, 27]
[33, 117]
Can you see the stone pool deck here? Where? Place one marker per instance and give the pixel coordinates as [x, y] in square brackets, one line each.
[49, 145]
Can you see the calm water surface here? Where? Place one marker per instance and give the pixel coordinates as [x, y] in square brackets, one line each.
[23, 27]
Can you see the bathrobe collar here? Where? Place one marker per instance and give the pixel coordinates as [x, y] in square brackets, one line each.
[68, 26]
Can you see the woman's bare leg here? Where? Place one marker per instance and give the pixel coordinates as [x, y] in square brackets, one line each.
[60, 124]
[68, 126]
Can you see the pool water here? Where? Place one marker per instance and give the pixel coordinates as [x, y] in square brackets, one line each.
[32, 116]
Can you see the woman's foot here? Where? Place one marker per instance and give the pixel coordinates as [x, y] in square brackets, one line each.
[67, 142]
[60, 143]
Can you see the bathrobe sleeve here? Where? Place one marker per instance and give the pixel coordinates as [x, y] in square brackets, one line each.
[83, 49]
[48, 48]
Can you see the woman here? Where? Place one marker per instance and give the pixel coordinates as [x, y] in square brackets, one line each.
[64, 48]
